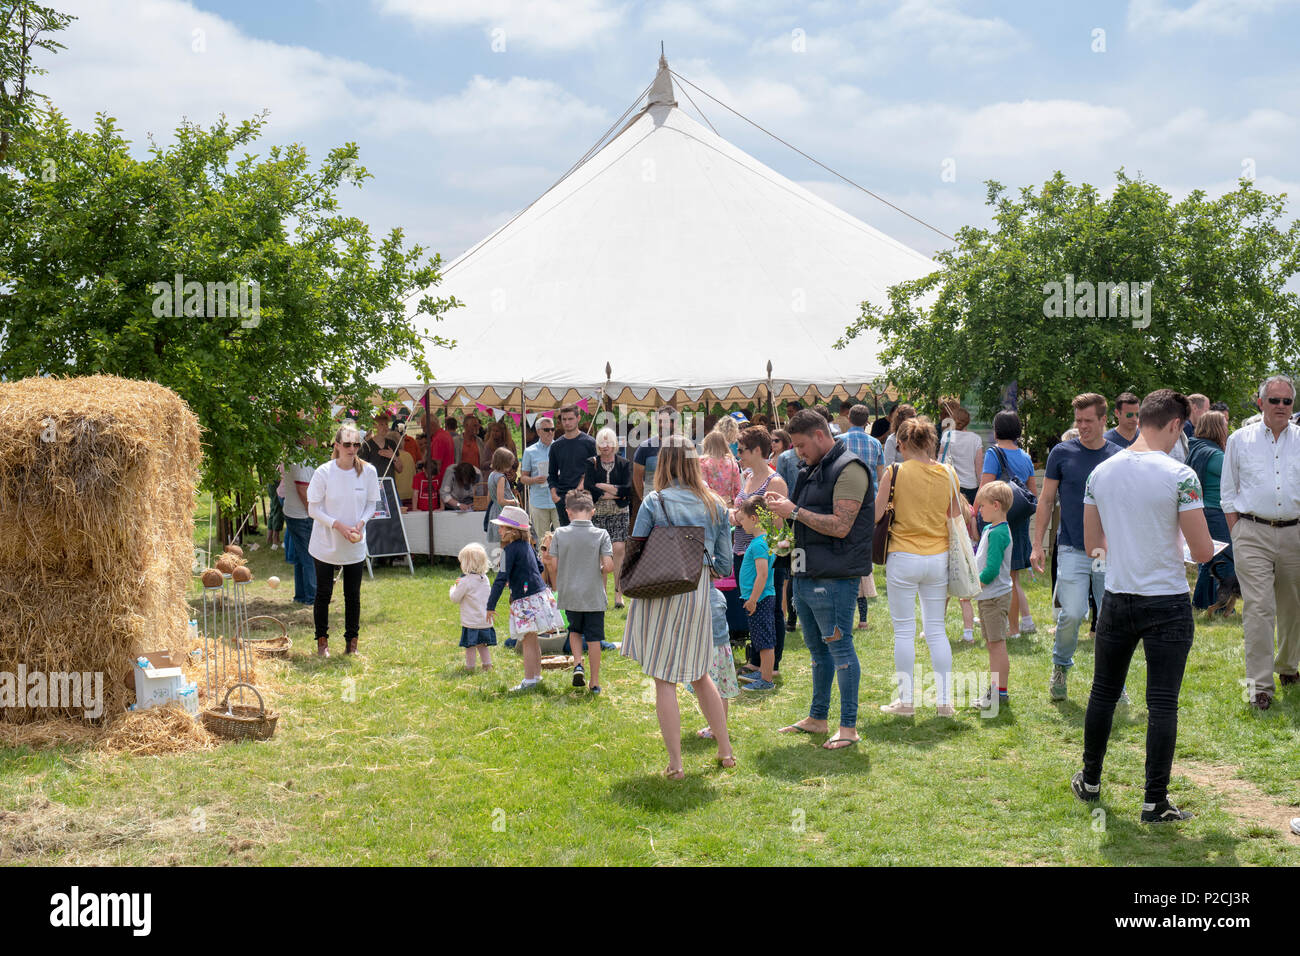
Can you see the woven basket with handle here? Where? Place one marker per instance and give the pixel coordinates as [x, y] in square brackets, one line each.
[240, 721]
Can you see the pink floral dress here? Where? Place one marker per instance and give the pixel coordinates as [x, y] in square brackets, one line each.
[722, 475]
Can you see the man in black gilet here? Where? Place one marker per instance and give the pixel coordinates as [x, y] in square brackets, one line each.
[833, 513]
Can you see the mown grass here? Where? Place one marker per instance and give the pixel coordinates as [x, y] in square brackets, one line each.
[428, 764]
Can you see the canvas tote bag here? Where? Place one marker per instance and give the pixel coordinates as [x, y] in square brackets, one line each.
[963, 572]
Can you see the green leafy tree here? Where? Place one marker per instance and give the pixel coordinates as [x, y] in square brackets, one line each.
[24, 27]
[309, 307]
[1217, 315]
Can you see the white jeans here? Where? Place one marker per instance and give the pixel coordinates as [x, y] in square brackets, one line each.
[908, 575]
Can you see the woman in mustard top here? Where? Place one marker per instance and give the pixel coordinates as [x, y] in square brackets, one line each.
[926, 496]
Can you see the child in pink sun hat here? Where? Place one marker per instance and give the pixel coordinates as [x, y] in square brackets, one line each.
[533, 609]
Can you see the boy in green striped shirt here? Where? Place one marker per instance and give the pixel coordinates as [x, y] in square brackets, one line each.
[993, 557]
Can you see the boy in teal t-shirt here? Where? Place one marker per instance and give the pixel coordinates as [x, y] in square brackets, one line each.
[758, 588]
[993, 557]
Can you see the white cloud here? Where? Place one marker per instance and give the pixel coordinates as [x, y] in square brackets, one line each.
[1220, 16]
[936, 30]
[677, 18]
[1039, 126]
[518, 105]
[150, 62]
[138, 61]
[540, 24]
[757, 97]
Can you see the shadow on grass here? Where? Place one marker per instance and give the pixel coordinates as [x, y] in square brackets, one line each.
[1023, 647]
[656, 793]
[1073, 713]
[1132, 843]
[920, 732]
[804, 758]
[310, 664]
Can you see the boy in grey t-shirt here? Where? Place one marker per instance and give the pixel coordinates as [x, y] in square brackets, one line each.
[581, 555]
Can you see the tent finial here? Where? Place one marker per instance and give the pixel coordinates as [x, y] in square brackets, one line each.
[661, 91]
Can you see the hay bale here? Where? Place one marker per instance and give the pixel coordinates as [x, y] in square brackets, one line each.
[157, 732]
[97, 483]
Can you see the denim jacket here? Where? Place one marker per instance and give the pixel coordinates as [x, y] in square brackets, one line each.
[686, 510]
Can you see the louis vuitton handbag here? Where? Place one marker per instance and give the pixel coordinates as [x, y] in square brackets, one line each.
[668, 561]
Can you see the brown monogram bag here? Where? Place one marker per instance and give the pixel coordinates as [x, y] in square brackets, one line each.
[666, 562]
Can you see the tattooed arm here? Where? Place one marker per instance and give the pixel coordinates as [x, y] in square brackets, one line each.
[834, 525]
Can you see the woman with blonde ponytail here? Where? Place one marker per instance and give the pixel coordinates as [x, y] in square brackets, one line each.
[341, 497]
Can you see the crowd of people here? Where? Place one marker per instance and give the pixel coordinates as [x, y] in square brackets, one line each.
[1121, 511]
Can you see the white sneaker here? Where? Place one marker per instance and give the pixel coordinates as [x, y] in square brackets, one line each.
[1027, 626]
[526, 684]
[898, 709]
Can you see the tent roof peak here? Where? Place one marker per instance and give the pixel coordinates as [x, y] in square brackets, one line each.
[661, 91]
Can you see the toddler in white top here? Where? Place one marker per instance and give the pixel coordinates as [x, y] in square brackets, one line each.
[471, 592]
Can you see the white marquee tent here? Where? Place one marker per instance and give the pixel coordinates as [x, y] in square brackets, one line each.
[680, 261]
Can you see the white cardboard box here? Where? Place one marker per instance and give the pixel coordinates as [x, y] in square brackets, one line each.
[157, 686]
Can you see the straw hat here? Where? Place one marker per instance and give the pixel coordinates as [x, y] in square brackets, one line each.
[512, 517]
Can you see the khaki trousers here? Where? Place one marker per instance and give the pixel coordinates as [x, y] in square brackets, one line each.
[544, 520]
[1268, 570]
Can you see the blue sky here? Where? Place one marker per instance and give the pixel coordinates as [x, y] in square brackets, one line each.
[461, 135]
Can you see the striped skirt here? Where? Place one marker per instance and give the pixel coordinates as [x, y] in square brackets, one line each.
[672, 638]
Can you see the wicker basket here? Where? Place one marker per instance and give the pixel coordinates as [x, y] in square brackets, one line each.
[240, 722]
[559, 662]
[274, 647]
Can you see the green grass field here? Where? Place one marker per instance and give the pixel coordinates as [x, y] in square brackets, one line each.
[398, 756]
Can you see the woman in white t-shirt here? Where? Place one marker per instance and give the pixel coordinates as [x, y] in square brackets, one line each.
[962, 449]
[341, 498]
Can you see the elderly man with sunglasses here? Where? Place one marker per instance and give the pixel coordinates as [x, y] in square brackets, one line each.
[1260, 497]
[533, 471]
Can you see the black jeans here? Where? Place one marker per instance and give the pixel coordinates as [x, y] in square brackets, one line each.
[561, 511]
[1165, 627]
[351, 598]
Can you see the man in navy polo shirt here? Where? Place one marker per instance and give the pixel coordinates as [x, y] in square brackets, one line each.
[1068, 466]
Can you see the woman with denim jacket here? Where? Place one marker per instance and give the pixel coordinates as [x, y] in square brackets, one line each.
[672, 637]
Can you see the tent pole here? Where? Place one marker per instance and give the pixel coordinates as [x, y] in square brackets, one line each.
[428, 459]
[771, 406]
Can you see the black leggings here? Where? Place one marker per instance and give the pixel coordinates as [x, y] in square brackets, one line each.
[1165, 627]
[351, 598]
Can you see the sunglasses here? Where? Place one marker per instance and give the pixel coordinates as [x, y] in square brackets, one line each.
[1280, 401]
[546, 429]
[350, 444]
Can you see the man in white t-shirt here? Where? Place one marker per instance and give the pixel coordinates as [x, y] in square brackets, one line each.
[297, 524]
[1138, 507]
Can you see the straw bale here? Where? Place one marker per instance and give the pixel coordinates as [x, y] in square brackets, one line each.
[156, 732]
[96, 528]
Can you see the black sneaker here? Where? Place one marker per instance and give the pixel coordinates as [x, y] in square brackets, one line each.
[1163, 812]
[1088, 793]
[579, 678]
